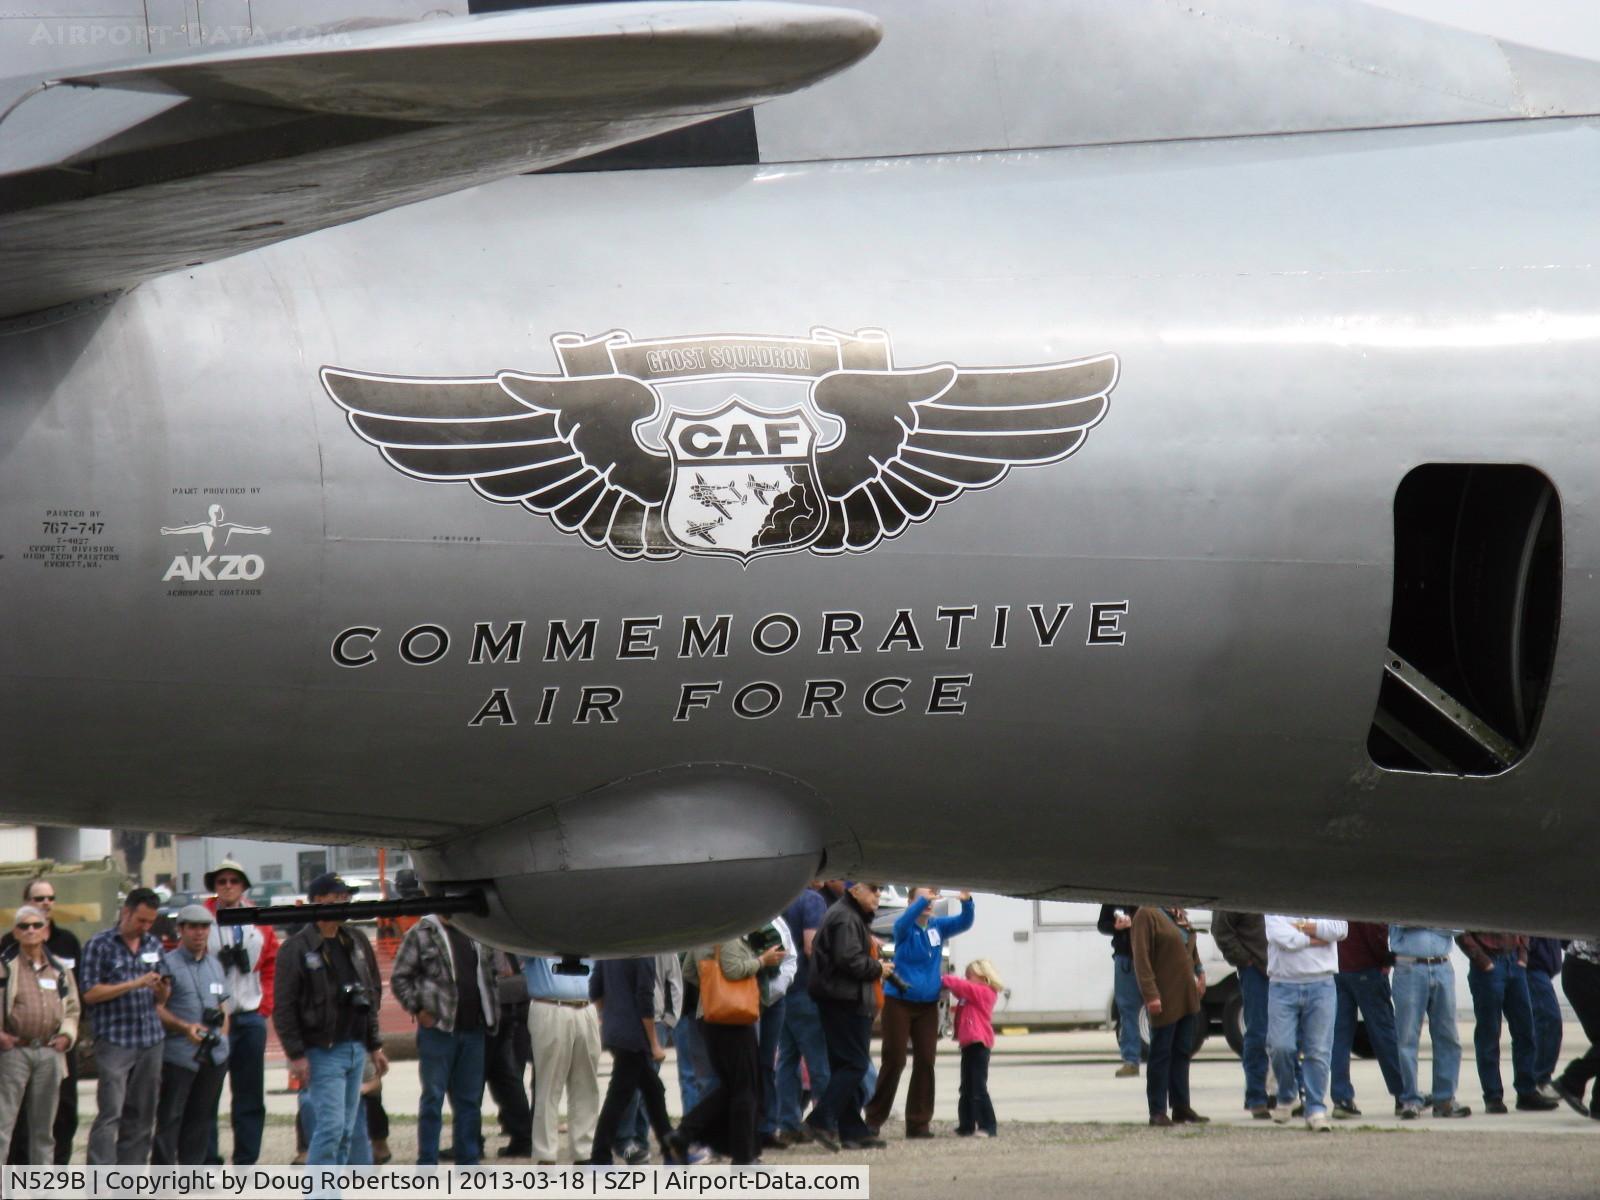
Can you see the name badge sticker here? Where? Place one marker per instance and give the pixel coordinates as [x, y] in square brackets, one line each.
[48, 985]
[150, 956]
[216, 989]
[933, 937]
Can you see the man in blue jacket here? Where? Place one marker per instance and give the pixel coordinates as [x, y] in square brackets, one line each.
[912, 1012]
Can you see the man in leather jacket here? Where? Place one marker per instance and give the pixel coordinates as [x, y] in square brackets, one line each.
[325, 1009]
[845, 975]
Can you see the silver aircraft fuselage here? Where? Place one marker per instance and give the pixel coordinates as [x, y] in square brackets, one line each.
[1298, 322]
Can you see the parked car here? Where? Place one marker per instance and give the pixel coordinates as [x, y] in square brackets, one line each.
[274, 891]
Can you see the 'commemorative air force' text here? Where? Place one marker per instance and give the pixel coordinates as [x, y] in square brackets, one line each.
[701, 637]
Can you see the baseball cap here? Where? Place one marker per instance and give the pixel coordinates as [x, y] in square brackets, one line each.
[327, 884]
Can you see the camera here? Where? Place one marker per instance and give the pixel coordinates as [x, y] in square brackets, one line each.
[234, 958]
[355, 995]
[762, 940]
[212, 1019]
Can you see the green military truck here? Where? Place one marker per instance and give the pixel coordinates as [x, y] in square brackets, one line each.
[88, 894]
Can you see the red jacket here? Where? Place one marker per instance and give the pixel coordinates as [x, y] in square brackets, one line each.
[266, 958]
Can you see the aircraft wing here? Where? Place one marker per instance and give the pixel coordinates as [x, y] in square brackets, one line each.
[129, 171]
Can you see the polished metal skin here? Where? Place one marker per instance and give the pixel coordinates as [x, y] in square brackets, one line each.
[1148, 669]
[114, 174]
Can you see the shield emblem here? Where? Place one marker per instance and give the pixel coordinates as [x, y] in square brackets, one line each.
[744, 482]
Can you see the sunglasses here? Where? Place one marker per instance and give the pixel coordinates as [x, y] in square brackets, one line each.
[30, 924]
[41, 899]
[229, 881]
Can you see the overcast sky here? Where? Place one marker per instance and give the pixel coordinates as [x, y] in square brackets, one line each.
[1568, 26]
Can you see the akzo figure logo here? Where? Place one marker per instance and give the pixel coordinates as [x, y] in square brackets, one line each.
[208, 566]
[729, 445]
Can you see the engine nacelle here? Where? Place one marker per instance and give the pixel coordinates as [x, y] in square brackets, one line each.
[662, 861]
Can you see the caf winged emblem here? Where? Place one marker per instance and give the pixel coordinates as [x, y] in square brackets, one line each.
[729, 445]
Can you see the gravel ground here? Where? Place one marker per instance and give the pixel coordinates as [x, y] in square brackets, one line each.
[1048, 1161]
[1070, 1128]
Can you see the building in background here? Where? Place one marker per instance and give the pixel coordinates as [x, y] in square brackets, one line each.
[147, 859]
[296, 863]
[32, 843]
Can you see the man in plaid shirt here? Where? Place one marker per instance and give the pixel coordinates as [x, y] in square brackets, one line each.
[123, 978]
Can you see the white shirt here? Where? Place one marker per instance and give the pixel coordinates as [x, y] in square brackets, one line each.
[244, 987]
[779, 987]
[1291, 958]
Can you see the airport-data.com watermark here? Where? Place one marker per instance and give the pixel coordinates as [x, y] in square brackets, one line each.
[486, 1182]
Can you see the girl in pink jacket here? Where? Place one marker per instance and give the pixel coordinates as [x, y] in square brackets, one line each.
[975, 996]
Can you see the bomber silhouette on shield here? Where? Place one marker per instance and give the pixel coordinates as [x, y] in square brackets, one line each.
[743, 481]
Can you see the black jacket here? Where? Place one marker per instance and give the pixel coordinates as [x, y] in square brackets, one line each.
[842, 966]
[305, 1006]
[1242, 938]
[1121, 939]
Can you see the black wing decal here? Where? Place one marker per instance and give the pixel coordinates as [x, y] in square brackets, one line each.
[556, 446]
[916, 439]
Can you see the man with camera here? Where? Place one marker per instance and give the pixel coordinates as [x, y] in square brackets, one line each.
[123, 979]
[248, 956]
[194, 1056]
[445, 979]
[846, 977]
[325, 1009]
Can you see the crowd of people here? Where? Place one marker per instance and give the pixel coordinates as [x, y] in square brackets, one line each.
[1303, 982]
[170, 1026]
[744, 1015]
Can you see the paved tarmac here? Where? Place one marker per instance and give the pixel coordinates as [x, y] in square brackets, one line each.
[1069, 1128]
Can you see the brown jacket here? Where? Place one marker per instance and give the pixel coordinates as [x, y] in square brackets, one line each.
[1167, 969]
[71, 1010]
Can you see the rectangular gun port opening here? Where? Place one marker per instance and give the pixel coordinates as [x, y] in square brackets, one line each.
[1476, 616]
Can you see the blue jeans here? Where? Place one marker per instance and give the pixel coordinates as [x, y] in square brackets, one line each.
[696, 1079]
[1253, 989]
[1300, 1021]
[1546, 1025]
[769, 1035]
[1130, 1003]
[1368, 992]
[801, 1038]
[360, 1142]
[975, 1109]
[334, 1094]
[247, 1052]
[450, 1063]
[1503, 989]
[1427, 989]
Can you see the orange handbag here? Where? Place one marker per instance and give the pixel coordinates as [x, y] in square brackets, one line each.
[728, 1001]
